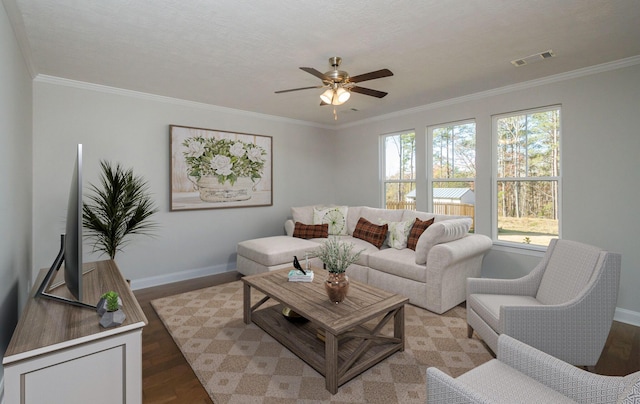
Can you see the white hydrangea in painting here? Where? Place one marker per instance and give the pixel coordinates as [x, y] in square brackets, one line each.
[226, 159]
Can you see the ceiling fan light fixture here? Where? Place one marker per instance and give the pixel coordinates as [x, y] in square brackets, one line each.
[342, 95]
[327, 96]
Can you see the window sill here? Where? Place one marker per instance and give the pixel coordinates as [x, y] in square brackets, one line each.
[525, 249]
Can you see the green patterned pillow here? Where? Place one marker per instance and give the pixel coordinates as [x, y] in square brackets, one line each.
[335, 216]
[398, 233]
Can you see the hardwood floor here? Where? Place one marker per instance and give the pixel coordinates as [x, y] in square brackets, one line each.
[168, 378]
[166, 375]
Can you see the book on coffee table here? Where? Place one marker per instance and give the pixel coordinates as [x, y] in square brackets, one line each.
[299, 276]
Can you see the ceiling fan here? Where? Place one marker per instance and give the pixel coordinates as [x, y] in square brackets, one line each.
[340, 85]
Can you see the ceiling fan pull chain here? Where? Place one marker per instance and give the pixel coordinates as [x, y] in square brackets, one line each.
[335, 114]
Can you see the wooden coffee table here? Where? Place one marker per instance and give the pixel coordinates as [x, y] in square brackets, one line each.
[335, 340]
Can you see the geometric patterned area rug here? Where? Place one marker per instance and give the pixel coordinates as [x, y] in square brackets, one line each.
[240, 363]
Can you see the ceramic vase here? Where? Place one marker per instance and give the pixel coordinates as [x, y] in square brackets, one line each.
[337, 286]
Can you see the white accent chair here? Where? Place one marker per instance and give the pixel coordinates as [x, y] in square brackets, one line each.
[522, 374]
[563, 307]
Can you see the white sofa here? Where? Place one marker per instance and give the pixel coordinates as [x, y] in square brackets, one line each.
[433, 276]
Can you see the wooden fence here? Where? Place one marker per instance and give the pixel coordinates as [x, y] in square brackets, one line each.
[460, 209]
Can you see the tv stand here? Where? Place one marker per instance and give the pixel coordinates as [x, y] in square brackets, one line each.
[60, 354]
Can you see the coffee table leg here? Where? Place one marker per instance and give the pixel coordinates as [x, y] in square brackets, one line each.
[398, 327]
[246, 316]
[331, 362]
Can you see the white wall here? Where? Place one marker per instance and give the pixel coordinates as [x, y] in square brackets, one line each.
[600, 162]
[15, 181]
[133, 129]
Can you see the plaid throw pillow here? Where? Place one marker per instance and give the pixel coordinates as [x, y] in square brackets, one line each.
[373, 233]
[302, 230]
[419, 226]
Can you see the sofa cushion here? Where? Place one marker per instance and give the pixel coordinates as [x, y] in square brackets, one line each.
[372, 233]
[419, 226]
[414, 214]
[353, 215]
[398, 233]
[302, 214]
[374, 215]
[400, 263]
[335, 216]
[363, 246]
[440, 232]
[307, 231]
[275, 250]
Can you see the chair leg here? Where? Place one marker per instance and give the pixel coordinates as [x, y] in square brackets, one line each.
[469, 331]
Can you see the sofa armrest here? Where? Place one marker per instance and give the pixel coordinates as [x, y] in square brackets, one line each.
[444, 389]
[289, 225]
[558, 375]
[449, 253]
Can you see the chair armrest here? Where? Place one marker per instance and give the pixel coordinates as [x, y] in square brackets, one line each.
[524, 286]
[558, 375]
[444, 389]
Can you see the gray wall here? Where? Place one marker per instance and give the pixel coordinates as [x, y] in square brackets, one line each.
[133, 129]
[15, 181]
[600, 163]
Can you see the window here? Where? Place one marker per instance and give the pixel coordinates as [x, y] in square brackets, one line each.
[452, 182]
[399, 170]
[527, 176]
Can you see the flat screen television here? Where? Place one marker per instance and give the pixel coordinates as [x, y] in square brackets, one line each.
[70, 253]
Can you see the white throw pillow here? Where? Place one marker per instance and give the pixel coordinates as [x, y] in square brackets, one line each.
[335, 216]
[440, 232]
[398, 233]
[303, 214]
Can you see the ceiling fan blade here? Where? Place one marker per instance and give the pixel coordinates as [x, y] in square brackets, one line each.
[316, 73]
[297, 89]
[368, 91]
[371, 76]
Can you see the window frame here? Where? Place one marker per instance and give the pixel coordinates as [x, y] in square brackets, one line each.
[383, 165]
[430, 178]
[495, 179]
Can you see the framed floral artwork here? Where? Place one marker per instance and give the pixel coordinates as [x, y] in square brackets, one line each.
[212, 169]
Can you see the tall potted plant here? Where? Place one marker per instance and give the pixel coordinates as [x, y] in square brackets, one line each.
[120, 207]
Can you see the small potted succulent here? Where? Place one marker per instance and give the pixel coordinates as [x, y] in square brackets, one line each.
[337, 256]
[109, 308]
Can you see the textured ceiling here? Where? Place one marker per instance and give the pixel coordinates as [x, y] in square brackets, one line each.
[236, 54]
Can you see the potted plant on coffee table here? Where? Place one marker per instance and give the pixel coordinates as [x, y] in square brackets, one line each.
[337, 255]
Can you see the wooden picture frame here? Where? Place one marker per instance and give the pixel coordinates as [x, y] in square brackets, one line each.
[214, 169]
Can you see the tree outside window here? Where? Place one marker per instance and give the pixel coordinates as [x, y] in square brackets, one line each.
[399, 172]
[453, 169]
[528, 176]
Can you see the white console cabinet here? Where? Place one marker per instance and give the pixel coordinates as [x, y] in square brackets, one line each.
[60, 354]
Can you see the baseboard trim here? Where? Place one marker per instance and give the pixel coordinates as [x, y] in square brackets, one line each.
[180, 276]
[627, 316]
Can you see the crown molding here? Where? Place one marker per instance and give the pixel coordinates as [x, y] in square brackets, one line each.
[43, 78]
[587, 71]
[604, 67]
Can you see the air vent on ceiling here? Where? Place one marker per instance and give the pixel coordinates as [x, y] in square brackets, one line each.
[533, 58]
